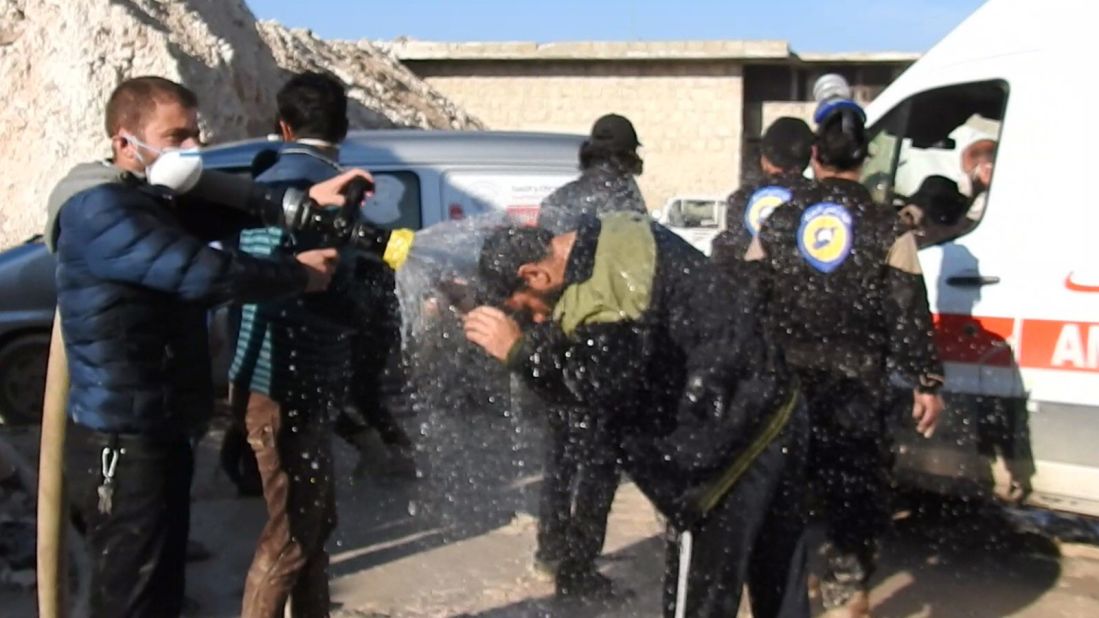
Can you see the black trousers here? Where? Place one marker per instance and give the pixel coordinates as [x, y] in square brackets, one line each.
[755, 536]
[580, 477]
[138, 549]
[849, 461]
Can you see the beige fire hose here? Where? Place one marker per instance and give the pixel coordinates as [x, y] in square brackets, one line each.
[52, 597]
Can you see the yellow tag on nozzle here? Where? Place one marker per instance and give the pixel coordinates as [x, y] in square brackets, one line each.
[396, 250]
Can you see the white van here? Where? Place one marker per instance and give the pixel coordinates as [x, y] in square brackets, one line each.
[1016, 296]
[424, 177]
[696, 218]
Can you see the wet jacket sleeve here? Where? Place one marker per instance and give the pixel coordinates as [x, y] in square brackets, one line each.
[725, 246]
[599, 365]
[912, 349]
[126, 242]
[556, 213]
[210, 222]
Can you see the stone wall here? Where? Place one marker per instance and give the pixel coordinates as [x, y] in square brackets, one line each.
[687, 114]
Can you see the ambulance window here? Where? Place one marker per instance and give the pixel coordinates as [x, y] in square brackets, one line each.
[932, 158]
[396, 201]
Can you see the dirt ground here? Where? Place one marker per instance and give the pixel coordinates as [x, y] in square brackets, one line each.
[459, 541]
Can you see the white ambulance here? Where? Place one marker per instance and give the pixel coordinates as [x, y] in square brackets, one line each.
[1015, 294]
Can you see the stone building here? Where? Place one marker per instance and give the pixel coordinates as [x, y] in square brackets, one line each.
[699, 106]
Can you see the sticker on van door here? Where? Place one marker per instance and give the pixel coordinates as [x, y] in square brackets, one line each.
[518, 195]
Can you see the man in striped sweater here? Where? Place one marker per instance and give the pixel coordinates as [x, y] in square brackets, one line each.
[291, 373]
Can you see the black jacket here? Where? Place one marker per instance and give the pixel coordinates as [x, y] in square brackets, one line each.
[601, 189]
[845, 293]
[746, 210]
[135, 275]
[292, 346]
[649, 332]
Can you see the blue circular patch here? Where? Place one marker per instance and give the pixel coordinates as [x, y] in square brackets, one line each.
[760, 206]
[825, 236]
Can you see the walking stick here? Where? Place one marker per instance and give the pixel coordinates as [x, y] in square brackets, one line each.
[51, 494]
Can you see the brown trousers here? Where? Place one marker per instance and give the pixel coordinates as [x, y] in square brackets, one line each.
[293, 451]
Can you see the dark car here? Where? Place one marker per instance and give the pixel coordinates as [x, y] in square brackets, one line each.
[26, 316]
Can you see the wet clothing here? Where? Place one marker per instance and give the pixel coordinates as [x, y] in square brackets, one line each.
[839, 268]
[138, 551]
[754, 533]
[693, 386]
[293, 451]
[134, 281]
[848, 473]
[135, 277]
[580, 470]
[302, 344]
[289, 379]
[746, 210]
[378, 376]
[846, 298]
[297, 362]
[580, 478]
[602, 188]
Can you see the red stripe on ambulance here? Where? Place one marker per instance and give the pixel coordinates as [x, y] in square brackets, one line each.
[1072, 346]
[974, 339]
[1042, 344]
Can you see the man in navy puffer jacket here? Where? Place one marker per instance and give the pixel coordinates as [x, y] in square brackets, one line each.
[135, 277]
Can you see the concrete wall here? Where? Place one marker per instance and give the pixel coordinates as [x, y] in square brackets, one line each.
[773, 110]
[687, 114]
[699, 106]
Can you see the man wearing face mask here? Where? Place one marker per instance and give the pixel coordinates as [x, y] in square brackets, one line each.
[135, 277]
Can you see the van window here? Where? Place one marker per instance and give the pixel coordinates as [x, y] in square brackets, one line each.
[396, 201]
[693, 214]
[932, 158]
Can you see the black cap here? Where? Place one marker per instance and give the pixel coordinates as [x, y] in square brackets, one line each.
[615, 132]
[940, 200]
[504, 251]
[788, 143]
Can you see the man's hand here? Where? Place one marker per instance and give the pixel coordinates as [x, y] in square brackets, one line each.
[926, 408]
[328, 193]
[493, 330]
[320, 264]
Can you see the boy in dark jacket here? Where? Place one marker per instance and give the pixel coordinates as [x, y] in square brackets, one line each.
[635, 323]
[134, 282]
[295, 366]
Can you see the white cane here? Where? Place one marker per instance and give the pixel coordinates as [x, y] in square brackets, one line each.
[685, 541]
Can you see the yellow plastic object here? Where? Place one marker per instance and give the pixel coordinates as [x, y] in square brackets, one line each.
[51, 492]
[396, 250]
